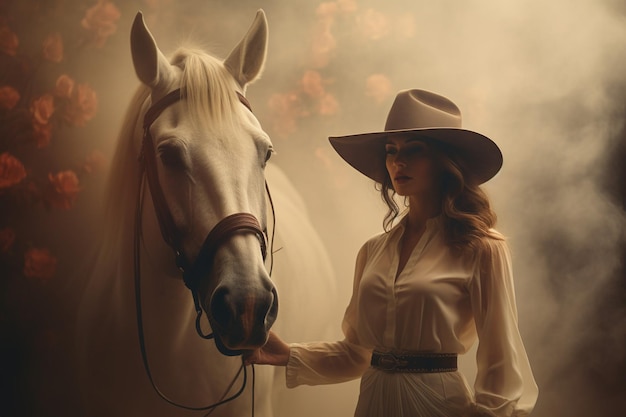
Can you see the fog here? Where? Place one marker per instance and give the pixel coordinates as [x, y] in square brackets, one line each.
[544, 80]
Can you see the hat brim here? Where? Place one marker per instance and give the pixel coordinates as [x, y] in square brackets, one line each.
[478, 155]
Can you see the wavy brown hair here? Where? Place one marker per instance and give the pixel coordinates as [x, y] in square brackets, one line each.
[467, 214]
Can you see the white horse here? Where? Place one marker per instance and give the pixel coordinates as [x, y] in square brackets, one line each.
[190, 132]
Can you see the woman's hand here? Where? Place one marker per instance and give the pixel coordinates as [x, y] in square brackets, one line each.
[274, 352]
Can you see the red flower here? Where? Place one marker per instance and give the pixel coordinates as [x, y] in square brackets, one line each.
[378, 86]
[65, 188]
[42, 109]
[7, 238]
[39, 263]
[95, 161]
[9, 97]
[12, 171]
[101, 21]
[312, 84]
[53, 47]
[83, 105]
[288, 109]
[8, 41]
[64, 86]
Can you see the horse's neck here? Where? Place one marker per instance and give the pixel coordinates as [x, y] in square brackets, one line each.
[166, 301]
[165, 296]
[302, 271]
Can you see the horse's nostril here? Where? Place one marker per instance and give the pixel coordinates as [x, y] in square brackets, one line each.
[272, 311]
[222, 309]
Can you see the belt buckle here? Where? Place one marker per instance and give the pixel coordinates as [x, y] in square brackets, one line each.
[390, 362]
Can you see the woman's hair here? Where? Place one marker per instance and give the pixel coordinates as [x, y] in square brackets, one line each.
[465, 208]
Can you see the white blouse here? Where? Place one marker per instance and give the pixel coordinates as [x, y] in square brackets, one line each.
[439, 303]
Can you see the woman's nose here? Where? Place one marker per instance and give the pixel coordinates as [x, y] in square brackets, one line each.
[399, 160]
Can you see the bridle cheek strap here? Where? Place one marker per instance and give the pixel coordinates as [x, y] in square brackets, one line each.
[148, 165]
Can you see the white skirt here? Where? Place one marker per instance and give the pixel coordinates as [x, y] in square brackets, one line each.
[404, 394]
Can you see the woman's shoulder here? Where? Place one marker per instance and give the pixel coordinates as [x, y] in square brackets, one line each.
[494, 246]
[377, 241]
[374, 241]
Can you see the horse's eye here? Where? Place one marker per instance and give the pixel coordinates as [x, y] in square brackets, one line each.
[172, 156]
[268, 155]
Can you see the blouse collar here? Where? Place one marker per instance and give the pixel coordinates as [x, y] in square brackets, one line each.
[432, 223]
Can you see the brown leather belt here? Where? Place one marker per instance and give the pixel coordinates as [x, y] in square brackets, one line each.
[418, 363]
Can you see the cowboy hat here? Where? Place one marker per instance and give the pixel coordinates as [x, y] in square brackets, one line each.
[429, 116]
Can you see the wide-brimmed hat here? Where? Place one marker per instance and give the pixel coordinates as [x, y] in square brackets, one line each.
[429, 116]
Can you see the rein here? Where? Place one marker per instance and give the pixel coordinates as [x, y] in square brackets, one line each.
[192, 272]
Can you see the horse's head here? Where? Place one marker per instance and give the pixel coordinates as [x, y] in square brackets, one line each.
[206, 153]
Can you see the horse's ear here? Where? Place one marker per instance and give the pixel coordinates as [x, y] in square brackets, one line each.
[246, 60]
[150, 64]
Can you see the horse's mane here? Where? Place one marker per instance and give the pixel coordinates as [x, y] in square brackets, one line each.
[208, 87]
[210, 98]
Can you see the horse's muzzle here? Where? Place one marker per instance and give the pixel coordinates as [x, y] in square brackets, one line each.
[242, 317]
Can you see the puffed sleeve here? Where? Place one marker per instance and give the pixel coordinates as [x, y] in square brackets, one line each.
[504, 386]
[318, 363]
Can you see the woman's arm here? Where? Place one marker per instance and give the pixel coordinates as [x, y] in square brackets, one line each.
[504, 385]
[321, 362]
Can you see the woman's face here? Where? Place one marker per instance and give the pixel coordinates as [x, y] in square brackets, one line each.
[412, 166]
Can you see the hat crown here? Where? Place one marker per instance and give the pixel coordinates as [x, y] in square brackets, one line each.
[420, 109]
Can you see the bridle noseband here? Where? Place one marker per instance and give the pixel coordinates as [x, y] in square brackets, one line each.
[192, 271]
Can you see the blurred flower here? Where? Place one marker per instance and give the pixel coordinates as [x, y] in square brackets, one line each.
[327, 10]
[328, 105]
[101, 21]
[374, 25]
[95, 161]
[287, 109]
[53, 47]
[9, 97]
[42, 134]
[42, 109]
[12, 171]
[347, 6]
[324, 42]
[378, 86]
[65, 188]
[39, 263]
[64, 86]
[7, 238]
[8, 41]
[83, 105]
[312, 84]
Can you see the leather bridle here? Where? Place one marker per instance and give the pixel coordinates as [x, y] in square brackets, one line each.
[192, 271]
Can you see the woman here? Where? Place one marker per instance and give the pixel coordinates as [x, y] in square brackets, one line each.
[436, 280]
